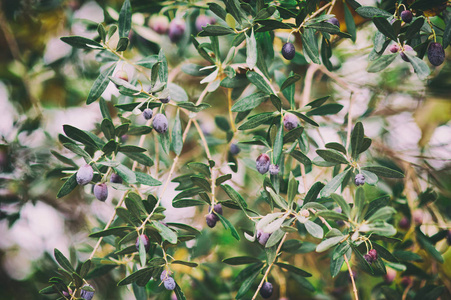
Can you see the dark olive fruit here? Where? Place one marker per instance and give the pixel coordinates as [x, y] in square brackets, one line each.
[288, 51]
[262, 163]
[262, 237]
[176, 30]
[121, 74]
[147, 114]
[165, 99]
[159, 24]
[359, 179]
[84, 175]
[160, 123]
[274, 169]
[334, 21]
[218, 209]
[407, 16]
[436, 54]
[266, 290]
[234, 149]
[403, 55]
[404, 223]
[169, 283]
[290, 121]
[165, 275]
[202, 21]
[87, 295]
[211, 220]
[115, 178]
[394, 48]
[406, 281]
[371, 256]
[101, 191]
[143, 239]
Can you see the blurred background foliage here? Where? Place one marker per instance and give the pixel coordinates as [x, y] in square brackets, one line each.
[44, 83]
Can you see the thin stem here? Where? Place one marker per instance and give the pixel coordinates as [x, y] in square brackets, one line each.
[332, 6]
[308, 84]
[229, 101]
[270, 266]
[202, 138]
[354, 287]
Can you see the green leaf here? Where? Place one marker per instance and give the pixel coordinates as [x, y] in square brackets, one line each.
[216, 30]
[63, 261]
[314, 229]
[200, 168]
[146, 179]
[140, 158]
[332, 156]
[125, 87]
[81, 42]
[385, 27]
[420, 67]
[131, 148]
[414, 29]
[384, 171]
[143, 274]
[313, 193]
[222, 123]
[427, 245]
[166, 233]
[192, 107]
[381, 63]
[327, 109]
[139, 130]
[100, 84]
[251, 50]
[301, 157]
[334, 184]
[107, 129]
[259, 82]
[278, 145]
[241, 260]
[350, 24]
[125, 19]
[177, 139]
[357, 139]
[256, 120]
[185, 263]
[336, 146]
[370, 11]
[342, 203]
[122, 44]
[235, 196]
[290, 81]
[85, 268]
[68, 186]
[79, 135]
[227, 225]
[139, 292]
[247, 283]
[446, 35]
[142, 251]
[304, 117]
[249, 102]
[125, 173]
[383, 214]
[332, 215]
[293, 269]
[271, 24]
[310, 45]
[328, 243]
[163, 72]
[119, 231]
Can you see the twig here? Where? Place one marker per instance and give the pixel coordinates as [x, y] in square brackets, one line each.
[308, 83]
[270, 266]
[354, 287]
[202, 138]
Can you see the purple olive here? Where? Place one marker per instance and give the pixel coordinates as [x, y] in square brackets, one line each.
[290, 121]
[101, 191]
[87, 295]
[160, 123]
[404, 223]
[288, 51]
[84, 175]
[202, 21]
[211, 220]
[407, 16]
[147, 114]
[262, 163]
[176, 30]
[359, 179]
[334, 21]
[436, 54]
[218, 209]
[143, 239]
[169, 284]
[115, 178]
[406, 48]
[165, 99]
[165, 275]
[262, 237]
[234, 149]
[159, 24]
[266, 290]
[274, 169]
[394, 48]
